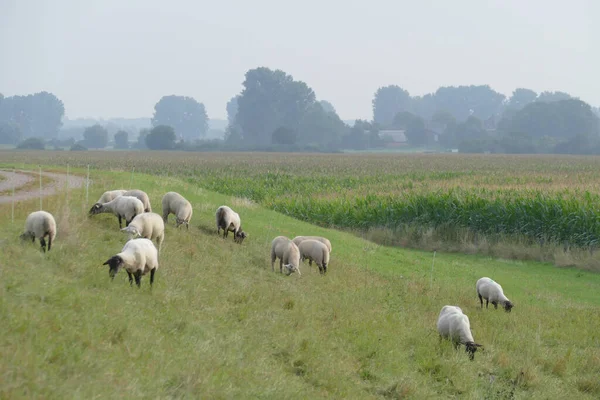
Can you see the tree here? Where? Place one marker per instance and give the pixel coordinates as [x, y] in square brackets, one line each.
[121, 140]
[520, 98]
[161, 137]
[327, 106]
[185, 115]
[32, 144]
[271, 99]
[549, 97]
[321, 128]
[38, 115]
[10, 133]
[414, 127]
[283, 135]
[95, 137]
[232, 110]
[561, 119]
[141, 139]
[389, 101]
[465, 101]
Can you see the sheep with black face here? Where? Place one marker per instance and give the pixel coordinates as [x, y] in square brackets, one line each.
[138, 257]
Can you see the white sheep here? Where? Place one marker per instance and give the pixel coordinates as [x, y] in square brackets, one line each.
[147, 225]
[229, 220]
[287, 252]
[298, 239]
[174, 203]
[142, 196]
[137, 257]
[126, 207]
[316, 251]
[110, 195]
[492, 293]
[40, 224]
[452, 324]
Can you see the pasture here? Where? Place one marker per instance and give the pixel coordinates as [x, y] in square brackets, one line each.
[219, 324]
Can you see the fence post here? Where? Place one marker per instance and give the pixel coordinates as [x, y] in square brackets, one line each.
[131, 179]
[40, 167]
[87, 185]
[13, 196]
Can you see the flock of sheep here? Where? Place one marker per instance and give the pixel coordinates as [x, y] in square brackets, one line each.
[140, 256]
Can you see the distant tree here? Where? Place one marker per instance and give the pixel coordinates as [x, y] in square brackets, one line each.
[549, 97]
[389, 101]
[443, 117]
[185, 115]
[95, 137]
[233, 135]
[141, 139]
[38, 115]
[561, 119]
[414, 128]
[424, 106]
[520, 98]
[78, 146]
[32, 144]
[321, 128]
[232, 110]
[283, 135]
[327, 106]
[121, 140]
[10, 133]
[270, 99]
[356, 138]
[465, 101]
[161, 137]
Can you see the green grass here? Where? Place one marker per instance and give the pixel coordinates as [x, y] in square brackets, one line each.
[220, 324]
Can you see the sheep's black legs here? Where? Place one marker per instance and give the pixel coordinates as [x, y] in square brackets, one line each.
[152, 276]
[486, 303]
[480, 300]
[49, 242]
[43, 244]
[138, 277]
[120, 221]
[495, 305]
[130, 278]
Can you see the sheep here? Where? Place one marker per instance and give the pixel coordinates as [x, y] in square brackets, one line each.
[316, 251]
[492, 293]
[287, 252]
[175, 203]
[40, 224]
[137, 257]
[298, 239]
[123, 207]
[110, 195]
[147, 225]
[142, 196]
[229, 220]
[454, 325]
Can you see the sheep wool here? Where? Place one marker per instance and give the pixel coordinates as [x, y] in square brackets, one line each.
[229, 220]
[282, 248]
[142, 196]
[147, 225]
[124, 207]
[492, 292]
[454, 325]
[174, 203]
[316, 251]
[138, 257]
[110, 195]
[40, 224]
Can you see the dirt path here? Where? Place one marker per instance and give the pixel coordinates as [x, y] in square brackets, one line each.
[19, 179]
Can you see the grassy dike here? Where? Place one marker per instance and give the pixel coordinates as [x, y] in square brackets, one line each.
[220, 324]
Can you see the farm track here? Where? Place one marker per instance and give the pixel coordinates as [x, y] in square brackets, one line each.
[19, 179]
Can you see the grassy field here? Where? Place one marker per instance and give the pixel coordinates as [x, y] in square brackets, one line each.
[519, 207]
[220, 324]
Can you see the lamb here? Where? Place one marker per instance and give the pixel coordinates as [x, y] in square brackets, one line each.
[137, 257]
[123, 207]
[492, 293]
[287, 252]
[316, 251]
[147, 225]
[455, 326]
[110, 195]
[298, 239]
[229, 220]
[142, 196]
[40, 224]
[175, 203]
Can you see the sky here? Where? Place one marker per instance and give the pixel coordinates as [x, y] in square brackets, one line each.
[117, 58]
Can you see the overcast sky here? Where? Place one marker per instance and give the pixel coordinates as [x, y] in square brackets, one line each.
[116, 58]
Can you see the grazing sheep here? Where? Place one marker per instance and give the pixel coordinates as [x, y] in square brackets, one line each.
[452, 324]
[316, 251]
[142, 196]
[147, 225]
[123, 207]
[110, 195]
[175, 203]
[229, 220]
[492, 292]
[40, 224]
[287, 252]
[137, 257]
[298, 239]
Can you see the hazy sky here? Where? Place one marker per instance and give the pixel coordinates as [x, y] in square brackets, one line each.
[116, 58]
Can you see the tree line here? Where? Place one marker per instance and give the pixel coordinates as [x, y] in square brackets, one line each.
[274, 111]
